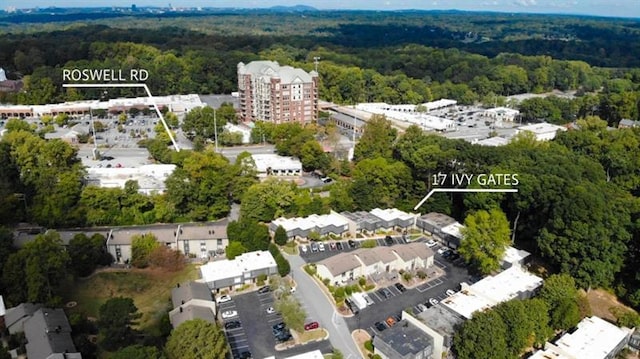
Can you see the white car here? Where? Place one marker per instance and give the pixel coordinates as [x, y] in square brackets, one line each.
[304, 249]
[229, 314]
[442, 250]
[223, 299]
[321, 247]
[368, 300]
[450, 292]
[433, 301]
[270, 310]
[431, 243]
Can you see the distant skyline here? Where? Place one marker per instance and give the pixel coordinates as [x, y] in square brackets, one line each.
[622, 8]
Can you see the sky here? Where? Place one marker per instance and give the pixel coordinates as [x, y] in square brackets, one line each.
[624, 8]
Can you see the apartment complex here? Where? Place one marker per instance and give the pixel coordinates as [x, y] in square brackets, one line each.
[278, 94]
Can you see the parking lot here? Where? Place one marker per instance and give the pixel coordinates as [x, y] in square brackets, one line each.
[397, 301]
[256, 332]
[332, 248]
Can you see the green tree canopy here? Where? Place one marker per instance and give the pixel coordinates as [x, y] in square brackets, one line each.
[200, 122]
[115, 318]
[142, 245]
[235, 249]
[485, 238]
[280, 236]
[196, 339]
[377, 139]
[137, 352]
[86, 253]
[484, 336]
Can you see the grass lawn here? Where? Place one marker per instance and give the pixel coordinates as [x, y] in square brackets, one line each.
[149, 288]
[290, 248]
[307, 336]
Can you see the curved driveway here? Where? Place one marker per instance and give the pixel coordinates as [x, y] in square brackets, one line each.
[317, 302]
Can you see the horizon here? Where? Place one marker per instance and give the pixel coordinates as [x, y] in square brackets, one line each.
[597, 8]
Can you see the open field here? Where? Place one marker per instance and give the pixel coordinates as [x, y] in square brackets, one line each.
[602, 303]
[149, 288]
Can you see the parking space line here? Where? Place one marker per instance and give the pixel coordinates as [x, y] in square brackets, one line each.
[377, 296]
[394, 291]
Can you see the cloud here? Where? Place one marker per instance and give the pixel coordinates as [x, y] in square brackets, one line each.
[525, 2]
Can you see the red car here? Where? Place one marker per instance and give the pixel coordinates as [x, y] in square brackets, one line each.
[311, 326]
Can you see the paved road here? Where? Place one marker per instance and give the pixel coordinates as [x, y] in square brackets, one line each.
[321, 309]
[232, 152]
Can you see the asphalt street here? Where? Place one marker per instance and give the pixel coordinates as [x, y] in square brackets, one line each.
[320, 308]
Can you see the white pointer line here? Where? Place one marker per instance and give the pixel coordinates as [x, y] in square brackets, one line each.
[490, 190]
[153, 101]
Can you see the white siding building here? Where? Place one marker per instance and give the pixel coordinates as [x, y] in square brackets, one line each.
[543, 131]
[243, 269]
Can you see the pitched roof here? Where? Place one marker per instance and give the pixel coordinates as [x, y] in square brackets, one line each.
[207, 230]
[163, 233]
[185, 292]
[21, 311]
[412, 250]
[191, 311]
[48, 332]
[340, 263]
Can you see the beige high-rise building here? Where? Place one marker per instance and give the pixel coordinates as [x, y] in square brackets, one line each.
[278, 94]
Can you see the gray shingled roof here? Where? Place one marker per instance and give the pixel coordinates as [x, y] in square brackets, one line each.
[438, 219]
[21, 311]
[190, 312]
[412, 250]
[268, 69]
[340, 263]
[164, 234]
[207, 230]
[189, 290]
[48, 332]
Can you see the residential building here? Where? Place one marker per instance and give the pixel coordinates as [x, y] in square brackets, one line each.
[514, 256]
[200, 239]
[363, 222]
[274, 165]
[627, 123]
[441, 226]
[512, 283]
[593, 338]
[277, 94]
[341, 268]
[48, 335]
[403, 341]
[16, 317]
[300, 227]
[3, 312]
[243, 269]
[191, 300]
[439, 323]
[185, 292]
[542, 131]
[392, 218]
[347, 266]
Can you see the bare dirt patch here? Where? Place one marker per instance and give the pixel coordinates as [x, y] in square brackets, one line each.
[602, 302]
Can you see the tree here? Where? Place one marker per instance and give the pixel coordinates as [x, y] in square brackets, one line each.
[284, 267]
[115, 318]
[200, 122]
[6, 249]
[519, 325]
[166, 258]
[86, 253]
[37, 272]
[268, 200]
[137, 352]
[280, 236]
[313, 157]
[235, 249]
[293, 315]
[483, 336]
[377, 139]
[380, 183]
[561, 295]
[485, 238]
[538, 312]
[196, 339]
[142, 245]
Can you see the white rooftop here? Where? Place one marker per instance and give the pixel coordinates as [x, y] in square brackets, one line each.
[492, 141]
[312, 221]
[542, 128]
[316, 354]
[275, 162]
[151, 178]
[492, 290]
[391, 214]
[453, 229]
[594, 338]
[514, 255]
[503, 111]
[236, 267]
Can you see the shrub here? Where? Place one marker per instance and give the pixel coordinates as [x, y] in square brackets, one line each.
[310, 269]
[369, 243]
[421, 274]
[261, 279]
[368, 345]
[326, 282]
[362, 281]
[348, 290]
[407, 276]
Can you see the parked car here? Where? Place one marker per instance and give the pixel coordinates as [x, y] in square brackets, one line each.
[421, 307]
[314, 247]
[245, 355]
[448, 253]
[339, 246]
[442, 250]
[264, 289]
[384, 292]
[388, 240]
[279, 326]
[224, 298]
[271, 310]
[431, 243]
[304, 249]
[401, 287]
[284, 336]
[380, 326]
[391, 321]
[311, 326]
[352, 243]
[450, 292]
[332, 246]
[232, 325]
[229, 314]
[321, 247]
[454, 256]
[433, 301]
